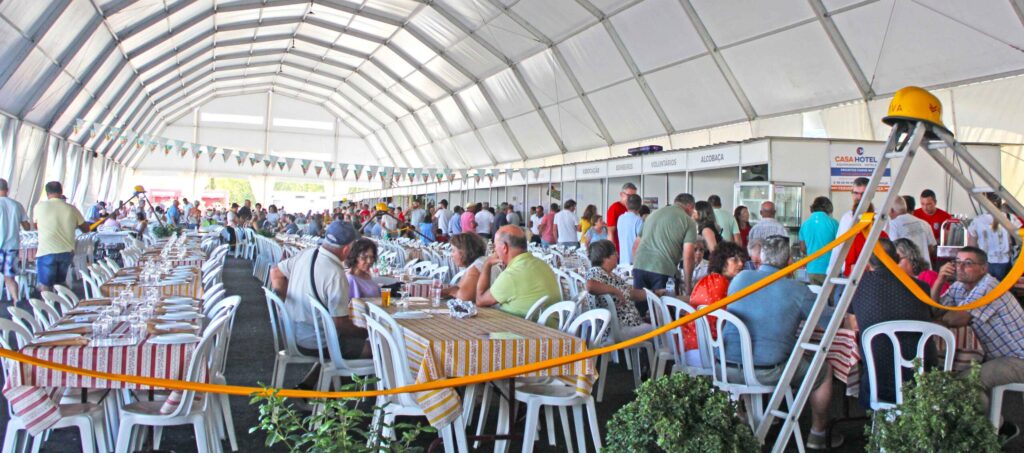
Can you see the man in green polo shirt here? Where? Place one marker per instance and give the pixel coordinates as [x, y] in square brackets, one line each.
[667, 238]
[523, 282]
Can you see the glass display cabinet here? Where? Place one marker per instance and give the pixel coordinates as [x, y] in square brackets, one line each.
[787, 196]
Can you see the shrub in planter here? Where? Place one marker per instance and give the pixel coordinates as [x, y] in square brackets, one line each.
[341, 426]
[941, 412]
[165, 230]
[265, 233]
[679, 413]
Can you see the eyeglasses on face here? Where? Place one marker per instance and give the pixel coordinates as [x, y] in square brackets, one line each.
[964, 263]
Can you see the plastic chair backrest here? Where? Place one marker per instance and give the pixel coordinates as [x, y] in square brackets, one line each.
[565, 311]
[327, 332]
[285, 324]
[536, 308]
[659, 315]
[458, 277]
[200, 364]
[56, 302]
[591, 326]
[677, 309]
[607, 302]
[25, 318]
[223, 307]
[44, 313]
[892, 330]
[382, 316]
[718, 363]
[67, 294]
[390, 361]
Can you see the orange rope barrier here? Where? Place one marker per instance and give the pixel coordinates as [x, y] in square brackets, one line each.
[449, 382]
[1011, 278]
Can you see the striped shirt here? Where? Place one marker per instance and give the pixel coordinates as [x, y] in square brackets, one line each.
[999, 325]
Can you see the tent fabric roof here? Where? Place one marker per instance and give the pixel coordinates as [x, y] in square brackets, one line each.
[480, 82]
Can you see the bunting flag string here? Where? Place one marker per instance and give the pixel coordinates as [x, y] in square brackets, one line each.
[120, 136]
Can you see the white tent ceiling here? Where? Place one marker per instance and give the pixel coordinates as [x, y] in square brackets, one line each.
[461, 83]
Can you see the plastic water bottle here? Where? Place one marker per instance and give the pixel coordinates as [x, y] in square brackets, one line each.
[670, 286]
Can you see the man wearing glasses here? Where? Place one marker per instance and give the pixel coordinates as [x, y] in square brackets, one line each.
[998, 325]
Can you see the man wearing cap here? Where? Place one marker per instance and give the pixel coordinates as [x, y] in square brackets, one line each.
[317, 276]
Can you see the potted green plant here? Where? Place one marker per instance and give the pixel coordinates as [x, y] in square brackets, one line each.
[941, 412]
[679, 413]
[164, 230]
[338, 426]
[265, 233]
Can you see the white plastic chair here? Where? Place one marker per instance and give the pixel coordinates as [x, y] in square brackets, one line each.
[633, 352]
[88, 418]
[286, 350]
[678, 309]
[564, 311]
[392, 368]
[67, 294]
[25, 318]
[591, 326]
[334, 366]
[57, 302]
[665, 347]
[189, 411]
[750, 390]
[45, 314]
[458, 277]
[536, 308]
[892, 329]
[90, 286]
[995, 410]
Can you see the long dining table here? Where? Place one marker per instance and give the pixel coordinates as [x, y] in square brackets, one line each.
[440, 346]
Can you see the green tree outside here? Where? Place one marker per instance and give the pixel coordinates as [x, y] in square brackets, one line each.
[238, 189]
[287, 186]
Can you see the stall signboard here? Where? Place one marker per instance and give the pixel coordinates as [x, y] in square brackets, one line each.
[725, 156]
[625, 167]
[593, 170]
[849, 161]
[665, 162]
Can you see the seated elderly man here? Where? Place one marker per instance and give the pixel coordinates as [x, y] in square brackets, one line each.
[998, 325]
[773, 316]
[523, 282]
[317, 275]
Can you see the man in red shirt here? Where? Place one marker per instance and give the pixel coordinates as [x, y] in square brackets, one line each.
[930, 212]
[616, 209]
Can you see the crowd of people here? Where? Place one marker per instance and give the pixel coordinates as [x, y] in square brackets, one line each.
[692, 249]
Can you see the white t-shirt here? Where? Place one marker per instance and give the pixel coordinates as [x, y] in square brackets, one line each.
[416, 217]
[484, 220]
[567, 222]
[995, 243]
[845, 223]
[535, 224]
[443, 216]
[331, 285]
[918, 231]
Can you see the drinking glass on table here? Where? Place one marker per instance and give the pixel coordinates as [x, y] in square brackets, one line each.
[435, 292]
[385, 297]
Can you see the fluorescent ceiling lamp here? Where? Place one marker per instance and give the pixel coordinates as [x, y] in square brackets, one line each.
[304, 124]
[230, 118]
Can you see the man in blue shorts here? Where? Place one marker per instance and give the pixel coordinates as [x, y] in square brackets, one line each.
[12, 219]
[56, 221]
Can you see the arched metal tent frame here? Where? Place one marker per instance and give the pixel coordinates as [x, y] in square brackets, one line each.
[392, 120]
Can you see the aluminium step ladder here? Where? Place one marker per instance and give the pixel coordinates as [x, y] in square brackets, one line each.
[906, 139]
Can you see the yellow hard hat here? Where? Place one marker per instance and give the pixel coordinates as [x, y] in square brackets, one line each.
[382, 206]
[914, 104]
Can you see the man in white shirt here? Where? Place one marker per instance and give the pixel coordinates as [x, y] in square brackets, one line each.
[484, 220]
[847, 221]
[443, 216]
[416, 215]
[767, 226]
[317, 276]
[568, 225]
[536, 216]
[903, 225]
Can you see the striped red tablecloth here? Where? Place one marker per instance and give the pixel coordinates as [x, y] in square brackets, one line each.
[193, 288]
[35, 391]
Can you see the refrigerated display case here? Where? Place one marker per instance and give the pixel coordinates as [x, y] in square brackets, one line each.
[787, 196]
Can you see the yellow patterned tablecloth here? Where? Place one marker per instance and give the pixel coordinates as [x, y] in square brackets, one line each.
[192, 288]
[442, 347]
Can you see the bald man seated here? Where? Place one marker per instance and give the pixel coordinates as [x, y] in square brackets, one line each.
[524, 281]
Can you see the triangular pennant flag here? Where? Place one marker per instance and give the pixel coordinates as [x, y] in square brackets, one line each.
[356, 170]
[289, 161]
[522, 172]
[476, 177]
[370, 171]
[491, 174]
[465, 174]
[253, 159]
[318, 167]
[425, 174]
[227, 154]
[281, 164]
[451, 175]
[168, 146]
[211, 155]
[342, 167]
[536, 172]
[242, 155]
[304, 165]
[184, 149]
[399, 173]
[329, 166]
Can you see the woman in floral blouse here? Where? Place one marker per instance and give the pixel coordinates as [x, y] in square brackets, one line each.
[600, 280]
[724, 263]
